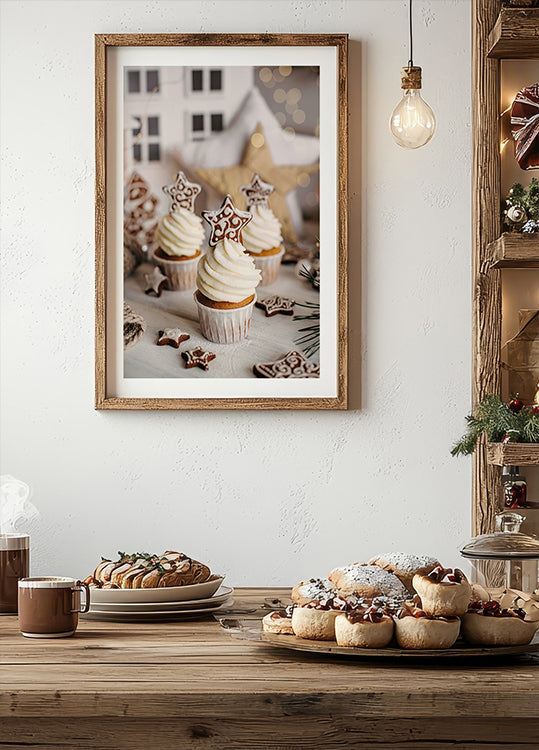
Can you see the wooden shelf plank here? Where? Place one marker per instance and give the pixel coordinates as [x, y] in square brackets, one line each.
[513, 454]
[515, 34]
[515, 250]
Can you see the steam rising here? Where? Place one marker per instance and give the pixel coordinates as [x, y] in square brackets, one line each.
[15, 505]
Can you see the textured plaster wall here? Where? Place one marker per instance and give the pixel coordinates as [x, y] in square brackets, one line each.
[273, 497]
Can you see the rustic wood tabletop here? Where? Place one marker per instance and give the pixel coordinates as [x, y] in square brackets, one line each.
[191, 684]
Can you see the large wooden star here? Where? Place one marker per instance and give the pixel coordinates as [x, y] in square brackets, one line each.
[257, 159]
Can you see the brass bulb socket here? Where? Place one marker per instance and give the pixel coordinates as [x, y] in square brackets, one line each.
[411, 78]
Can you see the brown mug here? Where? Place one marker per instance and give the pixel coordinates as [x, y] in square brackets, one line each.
[49, 607]
[14, 565]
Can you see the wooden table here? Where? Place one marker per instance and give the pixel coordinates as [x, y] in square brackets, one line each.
[191, 685]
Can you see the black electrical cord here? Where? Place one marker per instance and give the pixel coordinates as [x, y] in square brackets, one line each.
[411, 60]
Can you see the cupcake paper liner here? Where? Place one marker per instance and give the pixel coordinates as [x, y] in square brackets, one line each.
[181, 274]
[224, 326]
[269, 266]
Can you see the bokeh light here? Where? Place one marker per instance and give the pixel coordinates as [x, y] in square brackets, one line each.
[257, 140]
[279, 95]
[265, 75]
[299, 116]
[285, 70]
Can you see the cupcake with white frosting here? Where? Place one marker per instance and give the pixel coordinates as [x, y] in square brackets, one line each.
[226, 278]
[262, 237]
[179, 236]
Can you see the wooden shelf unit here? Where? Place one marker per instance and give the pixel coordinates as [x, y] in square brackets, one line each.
[511, 34]
[513, 454]
[514, 250]
[515, 34]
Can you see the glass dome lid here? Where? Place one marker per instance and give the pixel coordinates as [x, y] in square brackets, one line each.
[508, 543]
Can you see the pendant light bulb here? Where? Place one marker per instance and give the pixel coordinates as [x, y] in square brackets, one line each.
[413, 122]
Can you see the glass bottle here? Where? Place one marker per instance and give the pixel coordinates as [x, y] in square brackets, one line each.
[514, 488]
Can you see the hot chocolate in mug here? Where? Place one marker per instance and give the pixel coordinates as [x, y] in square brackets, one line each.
[49, 607]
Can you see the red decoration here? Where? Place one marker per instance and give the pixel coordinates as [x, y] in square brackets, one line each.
[516, 404]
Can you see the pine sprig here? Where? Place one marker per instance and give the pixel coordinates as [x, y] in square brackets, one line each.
[494, 418]
[311, 334]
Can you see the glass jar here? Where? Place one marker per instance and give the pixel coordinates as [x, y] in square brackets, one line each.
[507, 558]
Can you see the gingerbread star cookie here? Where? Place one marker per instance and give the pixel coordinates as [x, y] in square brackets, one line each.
[274, 305]
[182, 193]
[172, 337]
[257, 192]
[292, 365]
[198, 358]
[226, 222]
[156, 282]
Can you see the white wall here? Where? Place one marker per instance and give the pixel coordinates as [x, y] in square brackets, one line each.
[273, 497]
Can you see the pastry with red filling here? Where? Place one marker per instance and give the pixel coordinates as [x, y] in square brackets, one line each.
[444, 592]
[415, 629]
[279, 622]
[316, 620]
[488, 624]
[366, 626]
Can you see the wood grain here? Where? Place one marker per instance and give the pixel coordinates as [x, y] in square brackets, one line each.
[515, 34]
[487, 309]
[192, 685]
[513, 454]
[514, 250]
[291, 733]
[107, 401]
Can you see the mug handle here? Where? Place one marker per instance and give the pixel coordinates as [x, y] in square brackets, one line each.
[78, 587]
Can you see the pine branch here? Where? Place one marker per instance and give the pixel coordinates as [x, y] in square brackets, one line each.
[496, 420]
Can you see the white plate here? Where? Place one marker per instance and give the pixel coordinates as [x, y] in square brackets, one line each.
[156, 615]
[164, 594]
[219, 597]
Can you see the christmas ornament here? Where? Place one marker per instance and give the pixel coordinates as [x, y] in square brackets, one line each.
[257, 160]
[516, 404]
[522, 208]
[525, 127]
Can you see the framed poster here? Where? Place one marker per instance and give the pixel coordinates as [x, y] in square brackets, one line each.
[221, 221]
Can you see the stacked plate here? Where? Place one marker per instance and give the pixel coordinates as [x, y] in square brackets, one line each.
[167, 603]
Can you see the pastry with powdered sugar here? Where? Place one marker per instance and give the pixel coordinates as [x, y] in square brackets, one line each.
[315, 589]
[404, 565]
[367, 581]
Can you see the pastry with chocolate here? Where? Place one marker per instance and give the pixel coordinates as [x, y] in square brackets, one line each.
[315, 589]
[316, 620]
[443, 592]
[367, 581]
[279, 622]
[404, 566]
[366, 626]
[415, 629]
[488, 624]
[143, 570]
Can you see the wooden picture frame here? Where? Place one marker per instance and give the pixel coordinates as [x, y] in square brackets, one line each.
[274, 393]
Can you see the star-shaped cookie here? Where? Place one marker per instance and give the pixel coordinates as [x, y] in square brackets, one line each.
[257, 192]
[182, 193]
[198, 358]
[226, 222]
[274, 305]
[292, 365]
[258, 159]
[172, 337]
[156, 282]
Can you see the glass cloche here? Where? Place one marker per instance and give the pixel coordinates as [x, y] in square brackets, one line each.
[507, 557]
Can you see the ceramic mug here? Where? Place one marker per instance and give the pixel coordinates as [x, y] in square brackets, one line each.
[49, 607]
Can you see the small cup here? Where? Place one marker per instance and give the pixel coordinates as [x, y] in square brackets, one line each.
[49, 607]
